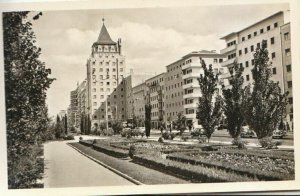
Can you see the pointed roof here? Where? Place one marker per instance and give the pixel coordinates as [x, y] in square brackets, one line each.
[104, 37]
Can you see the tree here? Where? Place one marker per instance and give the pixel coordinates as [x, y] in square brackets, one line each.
[26, 82]
[116, 126]
[148, 108]
[265, 105]
[180, 122]
[89, 124]
[82, 124]
[210, 104]
[234, 103]
[66, 124]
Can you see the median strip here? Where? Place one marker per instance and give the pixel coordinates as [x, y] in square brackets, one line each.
[110, 168]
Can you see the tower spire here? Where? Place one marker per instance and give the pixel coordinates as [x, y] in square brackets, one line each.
[104, 37]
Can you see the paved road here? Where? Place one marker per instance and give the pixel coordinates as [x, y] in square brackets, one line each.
[65, 167]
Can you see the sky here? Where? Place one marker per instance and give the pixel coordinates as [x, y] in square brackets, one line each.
[151, 38]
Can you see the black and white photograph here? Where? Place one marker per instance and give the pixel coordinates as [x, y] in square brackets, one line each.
[190, 98]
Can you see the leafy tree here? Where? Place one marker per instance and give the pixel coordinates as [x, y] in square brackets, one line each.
[148, 108]
[265, 105]
[82, 124]
[116, 126]
[210, 104]
[180, 122]
[26, 82]
[234, 103]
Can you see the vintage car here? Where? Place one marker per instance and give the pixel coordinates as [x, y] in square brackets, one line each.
[246, 132]
[278, 133]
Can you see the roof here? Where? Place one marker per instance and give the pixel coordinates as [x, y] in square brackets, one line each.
[277, 13]
[104, 37]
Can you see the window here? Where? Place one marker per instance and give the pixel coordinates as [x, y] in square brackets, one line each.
[94, 89]
[275, 24]
[246, 50]
[249, 36]
[107, 83]
[286, 36]
[215, 60]
[114, 70]
[252, 62]
[95, 104]
[255, 33]
[258, 45]
[102, 96]
[274, 70]
[288, 52]
[252, 48]
[272, 40]
[288, 68]
[247, 77]
[220, 60]
[240, 52]
[107, 90]
[243, 39]
[261, 30]
[241, 65]
[273, 55]
[247, 64]
[101, 69]
[268, 28]
[101, 83]
[290, 84]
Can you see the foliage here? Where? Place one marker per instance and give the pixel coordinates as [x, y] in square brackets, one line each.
[268, 143]
[209, 113]
[148, 108]
[239, 143]
[161, 140]
[180, 122]
[132, 151]
[26, 82]
[116, 126]
[69, 137]
[233, 102]
[265, 105]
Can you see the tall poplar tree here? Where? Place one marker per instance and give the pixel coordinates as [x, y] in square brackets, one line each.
[265, 105]
[210, 103]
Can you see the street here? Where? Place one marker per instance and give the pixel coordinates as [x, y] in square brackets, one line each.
[65, 167]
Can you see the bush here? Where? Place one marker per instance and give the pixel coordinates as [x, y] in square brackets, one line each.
[185, 138]
[119, 153]
[132, 151]
[239, 143]
[161, 140]
[267, 143]
[80, 138]
[166, 135]
[172, 136]
[202, 139]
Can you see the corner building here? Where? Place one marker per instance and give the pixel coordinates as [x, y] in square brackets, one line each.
[105, 71]
[241, 45]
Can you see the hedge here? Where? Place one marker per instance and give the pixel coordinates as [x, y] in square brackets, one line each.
[119, 153]
[251, 172]
[195, 173]
[88, 143]
[260, 153]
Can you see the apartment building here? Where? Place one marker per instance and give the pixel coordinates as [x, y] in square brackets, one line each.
[139, 100]
[287, 70]
[105, 70]
[155, 95]
[173, 90]
[241, 45]
[73, 108]
[192, 69]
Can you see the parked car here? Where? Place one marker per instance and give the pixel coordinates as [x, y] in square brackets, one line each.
[198, 132]
[246, 132]
[278, 134]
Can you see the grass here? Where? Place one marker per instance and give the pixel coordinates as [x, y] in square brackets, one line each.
[136, 171]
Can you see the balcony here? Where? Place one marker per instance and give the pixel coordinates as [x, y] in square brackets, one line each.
[193, 64]
[192, 95]
[228, 49]
[228, 62]
[191, 75]
[191, 85]
[190, 116]
[191, 105]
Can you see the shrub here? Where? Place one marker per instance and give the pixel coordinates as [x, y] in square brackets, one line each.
[172, 136]
[185, 138]
[161, 140]
[202, 139]
[241, 144]
[267, 143]
[69, 137]
[132, 151]
[166, 135]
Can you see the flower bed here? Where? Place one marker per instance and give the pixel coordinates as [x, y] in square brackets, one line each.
[264, 168]
[195, 173]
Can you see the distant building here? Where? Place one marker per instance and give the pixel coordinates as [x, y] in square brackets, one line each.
[155, 96]
[138, 100]
[241, 45]
[105, 70]
[73, 107]
[62, 113]
[192, 69]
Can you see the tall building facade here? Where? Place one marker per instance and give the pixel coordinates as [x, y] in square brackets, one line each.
[139, 100]
[287, 70]
[155, 96]
[192, 69]
[105, 70]
[241, 46]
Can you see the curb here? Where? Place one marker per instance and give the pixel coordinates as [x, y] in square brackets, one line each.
[108, 167]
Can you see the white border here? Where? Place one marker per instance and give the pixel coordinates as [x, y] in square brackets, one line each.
[154, 189]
